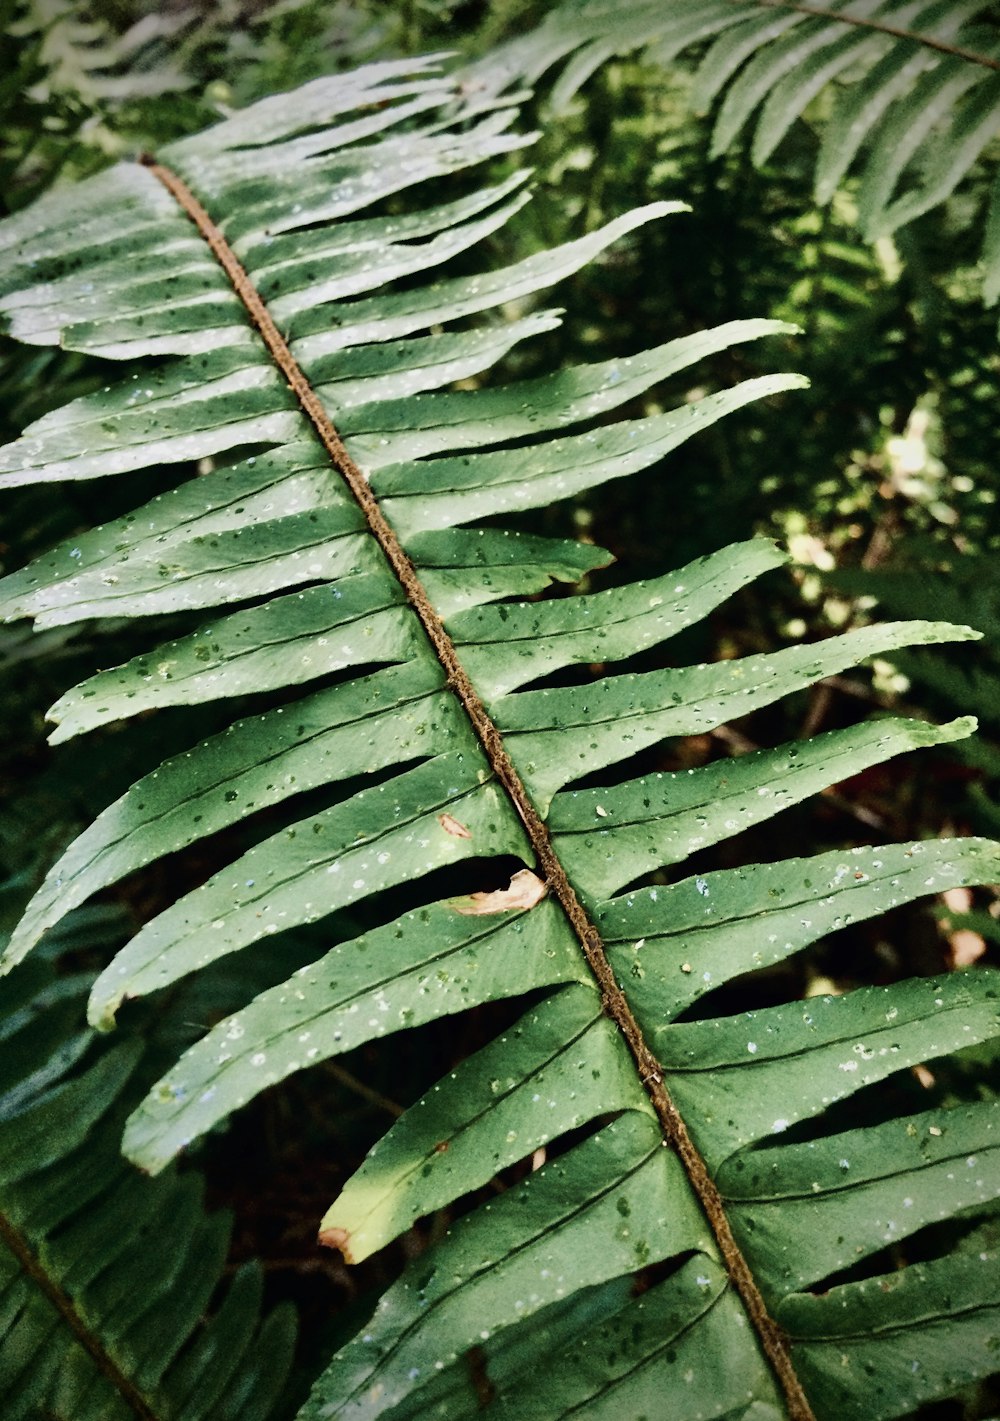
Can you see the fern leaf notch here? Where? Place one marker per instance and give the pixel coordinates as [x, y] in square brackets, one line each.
[375, 578]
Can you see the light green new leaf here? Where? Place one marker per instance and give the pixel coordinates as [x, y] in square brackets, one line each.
[557, 1069]
[503, 1264]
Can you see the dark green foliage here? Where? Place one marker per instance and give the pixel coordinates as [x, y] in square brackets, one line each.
[114, 1304]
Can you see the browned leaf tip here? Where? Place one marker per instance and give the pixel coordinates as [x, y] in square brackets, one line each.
[337, 1238]
[524, 891]
[451, 825]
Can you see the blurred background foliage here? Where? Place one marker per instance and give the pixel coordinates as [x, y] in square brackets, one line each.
[882, 480]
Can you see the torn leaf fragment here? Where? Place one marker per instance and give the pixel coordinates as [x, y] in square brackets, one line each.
[524, 891]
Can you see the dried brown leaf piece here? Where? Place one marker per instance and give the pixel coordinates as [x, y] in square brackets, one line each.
[451, 825]
[524, 891]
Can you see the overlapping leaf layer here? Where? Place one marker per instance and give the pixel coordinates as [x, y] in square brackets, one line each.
[606, 1275]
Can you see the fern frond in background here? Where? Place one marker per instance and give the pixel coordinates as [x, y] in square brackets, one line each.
[902, 101]
[421, 766]
[69, 71]
[970, 592]
[84, 59]
[112, 1297]
[906, 96]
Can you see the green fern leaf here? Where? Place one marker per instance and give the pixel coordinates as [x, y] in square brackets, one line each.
[908, 91]
[331, 550]
[104, 1304]
[859, 109]
[81, 58]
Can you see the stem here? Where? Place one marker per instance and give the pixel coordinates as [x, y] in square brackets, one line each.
[928, 41]
[613, 999]
[63, 1304]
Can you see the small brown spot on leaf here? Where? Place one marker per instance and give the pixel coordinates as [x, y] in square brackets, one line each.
[524, 891]
[441, 1147]
[451, 825]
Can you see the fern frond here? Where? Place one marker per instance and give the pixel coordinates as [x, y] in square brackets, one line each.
[443, 722]
[903, 93]
[110, 1281]
[81, 58]
[968, 592]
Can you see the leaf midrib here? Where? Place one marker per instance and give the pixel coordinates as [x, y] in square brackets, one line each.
[818, 12]
[614, 1001]
[32, 1266]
